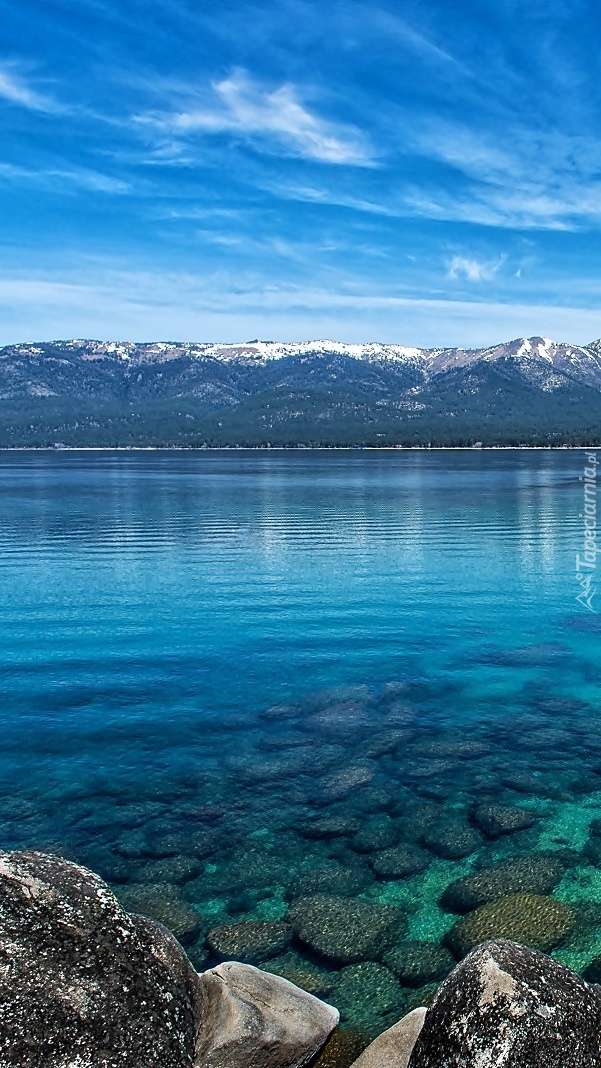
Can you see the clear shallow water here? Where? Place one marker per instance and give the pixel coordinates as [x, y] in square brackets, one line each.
[205, 655]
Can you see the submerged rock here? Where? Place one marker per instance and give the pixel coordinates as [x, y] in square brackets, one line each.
[497, 820]
[250, 942]
[369, 995]
[251, 868]
[388, 742]
[163, 903]
[342, 719]
[536, 874]
[330, 827]
[533, 920]
[342, 1049]
[83, 983]
[452, 840]
[400, 862]
[302, 972]
[334, 879]
[417, 963]
[443, 746]
[586, 927]
[337, 785]
[592, 972]
[528, 782]
[376, 835]
[393, 1048]
[592, 850]
[168, 870]
[252, 1018]
[345, 930]
[506, 1006]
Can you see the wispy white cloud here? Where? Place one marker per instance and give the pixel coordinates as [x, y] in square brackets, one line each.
[65, 179]
[413, 37]
[15, 90]
[145, 305]
[327, 195]
[533, 180]
[473, 270]
[274, 119]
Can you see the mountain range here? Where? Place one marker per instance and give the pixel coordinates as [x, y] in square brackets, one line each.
[530, 391]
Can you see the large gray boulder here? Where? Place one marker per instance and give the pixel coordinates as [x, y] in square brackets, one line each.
[393, 1048]
[82, 983]
[252, 1019]
[506, 1006]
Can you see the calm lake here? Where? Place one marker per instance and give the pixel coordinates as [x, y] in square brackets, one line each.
[274, 686]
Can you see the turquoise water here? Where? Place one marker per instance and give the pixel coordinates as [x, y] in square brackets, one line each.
[204, 655]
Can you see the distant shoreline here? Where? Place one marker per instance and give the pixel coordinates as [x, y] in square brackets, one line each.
[300, 448]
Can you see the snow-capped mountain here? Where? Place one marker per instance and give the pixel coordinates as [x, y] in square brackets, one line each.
[85, 391]
[572, 359]
[583, 362]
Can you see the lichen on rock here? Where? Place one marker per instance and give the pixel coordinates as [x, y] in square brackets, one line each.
[506, 1006]
[81, 981]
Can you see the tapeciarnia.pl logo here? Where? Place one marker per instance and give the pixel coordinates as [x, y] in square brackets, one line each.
[586, 563]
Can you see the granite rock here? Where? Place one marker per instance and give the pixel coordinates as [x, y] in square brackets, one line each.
[302, 972]
[253, 1018]
[83, 983]
[393, 1048]
[337, 879]
[452, 839]
[342, 1049]
[370, 995]
[375, 836]
[506, 1006]
[330, 827]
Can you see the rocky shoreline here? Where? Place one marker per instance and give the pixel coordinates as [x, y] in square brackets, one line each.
[85, 984]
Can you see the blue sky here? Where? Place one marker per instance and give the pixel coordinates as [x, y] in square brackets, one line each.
[421, 173]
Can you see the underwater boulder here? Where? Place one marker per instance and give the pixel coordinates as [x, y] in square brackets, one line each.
[368, 994]
[377, 834]
[537, 873]
[337, 879]
[249, 942]
[164, 904]
[452, 839]
[302, 972]
[342, 1048]
[400, 862]
[330, 827]
[338, 784]
[418, 963]
[178, 869]
[497, 820]
[346, 930]
[530, 919]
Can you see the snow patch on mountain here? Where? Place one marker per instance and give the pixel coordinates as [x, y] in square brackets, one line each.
[581, 362]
